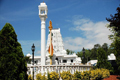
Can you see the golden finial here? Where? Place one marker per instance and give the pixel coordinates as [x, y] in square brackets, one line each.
[50, 25]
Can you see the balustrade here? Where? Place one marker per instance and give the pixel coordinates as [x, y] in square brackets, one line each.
[57, 68]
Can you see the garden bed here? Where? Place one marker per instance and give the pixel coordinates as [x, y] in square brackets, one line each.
[113, 77]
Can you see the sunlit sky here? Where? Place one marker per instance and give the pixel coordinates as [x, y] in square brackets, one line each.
[82, 22]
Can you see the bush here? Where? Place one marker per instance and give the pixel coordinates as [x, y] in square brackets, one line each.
[105, 73]
[53, 76]
[85, 75]
[77, 75]
[66, 75]
[99, 74]
[30, 77]
[41, 77]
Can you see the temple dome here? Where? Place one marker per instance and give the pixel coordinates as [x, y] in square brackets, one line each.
[28, 55]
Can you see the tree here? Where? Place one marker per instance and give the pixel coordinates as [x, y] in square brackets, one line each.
[115, 37]
[96, 46]
[93, 55]
[105, 47]
[87, 55]
[12, 63]
[69, 51]
[102, 60]
[115, 21]
[116, 45]
[27, 59]
[79, 54]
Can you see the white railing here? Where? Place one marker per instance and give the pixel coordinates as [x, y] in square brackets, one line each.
[57, 68]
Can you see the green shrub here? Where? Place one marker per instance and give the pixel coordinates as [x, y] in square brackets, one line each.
[85, 75]
[66, 75]
[77, 75]
[105, 73]
[39, 76]
[53, 76]
[30, 77]
[99, 74]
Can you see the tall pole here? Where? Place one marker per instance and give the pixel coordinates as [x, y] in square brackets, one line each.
[33, 63]
[33, 49]
[43, 15]
[43, 40]
[51, 47]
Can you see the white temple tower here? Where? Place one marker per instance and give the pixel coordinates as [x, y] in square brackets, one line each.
[43, 15]
[57, 42]
[58, 46]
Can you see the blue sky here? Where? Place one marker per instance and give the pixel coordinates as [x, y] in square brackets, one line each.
[82, 22]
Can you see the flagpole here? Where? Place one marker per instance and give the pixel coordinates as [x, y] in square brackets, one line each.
[50, 28]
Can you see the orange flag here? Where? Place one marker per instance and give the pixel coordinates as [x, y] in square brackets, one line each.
[51, 49]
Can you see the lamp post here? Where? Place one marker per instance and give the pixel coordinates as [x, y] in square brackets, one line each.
[33, 49]
[83, 50]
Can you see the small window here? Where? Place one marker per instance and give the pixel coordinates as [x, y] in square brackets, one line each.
[42, 11]
[64, 61]
[71, 60]
[35, 62]
[56, 58]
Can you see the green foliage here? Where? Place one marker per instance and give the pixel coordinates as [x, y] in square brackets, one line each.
[115, 22]
[48, 75]
[86, 57]
[117, 53]
[85, 75]
[39, 76]
[30, 77]
[53, 76]
[99, 74]
[79, 54]
[50, 56]
[84, 60]
[27, 59]
[69, 51]
[77, 75]
[96, 46]
[93, 55]
[66, 75]
[94, 74]
[114, 27]
[102, 60]
[12, 63]
[105, 47]
[90, 54]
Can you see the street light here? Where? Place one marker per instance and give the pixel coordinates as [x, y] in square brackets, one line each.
[33, 49]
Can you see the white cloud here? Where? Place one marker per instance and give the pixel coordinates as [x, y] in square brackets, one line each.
[93, 32]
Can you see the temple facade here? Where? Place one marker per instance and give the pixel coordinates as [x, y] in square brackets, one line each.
[60, 56]
[60, 60]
